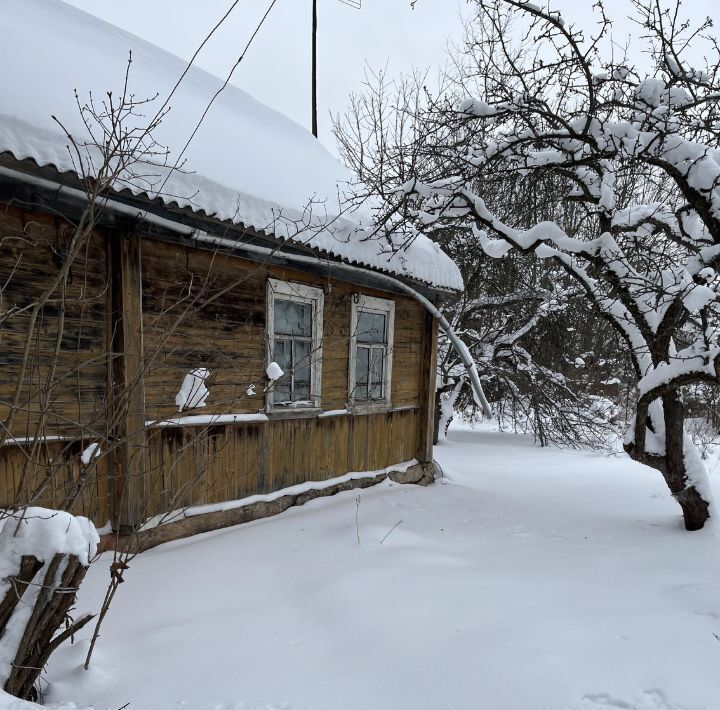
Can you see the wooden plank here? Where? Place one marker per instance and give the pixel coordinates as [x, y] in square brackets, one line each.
[426, 419]
[51, 474]
[69, 385]
[205, 309]
[128, 396]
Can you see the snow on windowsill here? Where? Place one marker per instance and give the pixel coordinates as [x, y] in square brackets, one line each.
[280, 412]
[207, 419]
[247, 418]
[334, 413]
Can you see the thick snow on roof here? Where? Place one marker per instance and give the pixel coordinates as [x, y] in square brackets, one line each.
[247, 163]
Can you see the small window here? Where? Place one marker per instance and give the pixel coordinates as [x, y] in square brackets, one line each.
[295, 313]
[371, 344]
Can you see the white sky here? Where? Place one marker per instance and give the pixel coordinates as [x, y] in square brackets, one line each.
[277, 68]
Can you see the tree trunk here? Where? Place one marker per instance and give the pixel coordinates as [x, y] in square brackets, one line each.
[438, 415]
[673, 465]
[695, 509]
[51, 590]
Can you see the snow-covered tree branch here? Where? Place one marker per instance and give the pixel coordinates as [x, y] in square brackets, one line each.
[384, 137]
[637, 154]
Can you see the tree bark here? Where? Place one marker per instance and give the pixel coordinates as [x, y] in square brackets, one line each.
[438, 415]
[695, 509]
[58, 583]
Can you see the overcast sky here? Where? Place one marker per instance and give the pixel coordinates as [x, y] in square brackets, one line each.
[277, 68]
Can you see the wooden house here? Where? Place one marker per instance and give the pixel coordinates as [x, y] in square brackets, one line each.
[216, 326]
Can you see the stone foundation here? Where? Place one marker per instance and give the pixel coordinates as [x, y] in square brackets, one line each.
[421, 474]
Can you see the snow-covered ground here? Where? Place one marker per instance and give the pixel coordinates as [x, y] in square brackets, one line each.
[526, 579]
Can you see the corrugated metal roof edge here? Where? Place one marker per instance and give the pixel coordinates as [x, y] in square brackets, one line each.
[201, 215]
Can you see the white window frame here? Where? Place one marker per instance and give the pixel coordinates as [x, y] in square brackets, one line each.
[300, 293]
[387, 308]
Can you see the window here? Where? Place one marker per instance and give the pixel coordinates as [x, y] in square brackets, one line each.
[371, 344]
[294, 325]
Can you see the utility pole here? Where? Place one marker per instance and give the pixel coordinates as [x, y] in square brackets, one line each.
[314, 69]
[356, 5]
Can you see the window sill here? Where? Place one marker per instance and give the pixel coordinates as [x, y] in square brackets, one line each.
[294, 413]
[360, 409]
[369, 407]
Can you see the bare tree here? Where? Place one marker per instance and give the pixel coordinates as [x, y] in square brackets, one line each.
[553, 107]
[118, 148]
[507, 308]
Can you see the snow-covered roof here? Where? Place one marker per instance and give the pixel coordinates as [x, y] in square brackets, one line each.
[247, 163]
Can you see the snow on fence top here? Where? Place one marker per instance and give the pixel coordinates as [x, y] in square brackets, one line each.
[247, 163]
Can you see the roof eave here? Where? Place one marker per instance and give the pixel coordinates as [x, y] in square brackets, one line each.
[185, 219]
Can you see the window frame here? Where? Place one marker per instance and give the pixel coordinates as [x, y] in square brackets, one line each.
[385, 307]
[299, 293]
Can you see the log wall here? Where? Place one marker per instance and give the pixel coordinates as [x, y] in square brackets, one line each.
[193, 308]
[64, 388]
[207, 309]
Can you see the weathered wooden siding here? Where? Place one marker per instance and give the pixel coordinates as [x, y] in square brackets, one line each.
[202, 309]
[63, 392]
[65, 383]
[204, 465]
[191, 466]
[206, 309]
[51, 475]
[199, 308]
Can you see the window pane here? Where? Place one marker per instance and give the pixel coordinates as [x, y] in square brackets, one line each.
[302, 392]
[370, 327]
[293, 318]
[362, 359]
[377, 367]
[283, 354]
[301, 368]
[281, 392]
